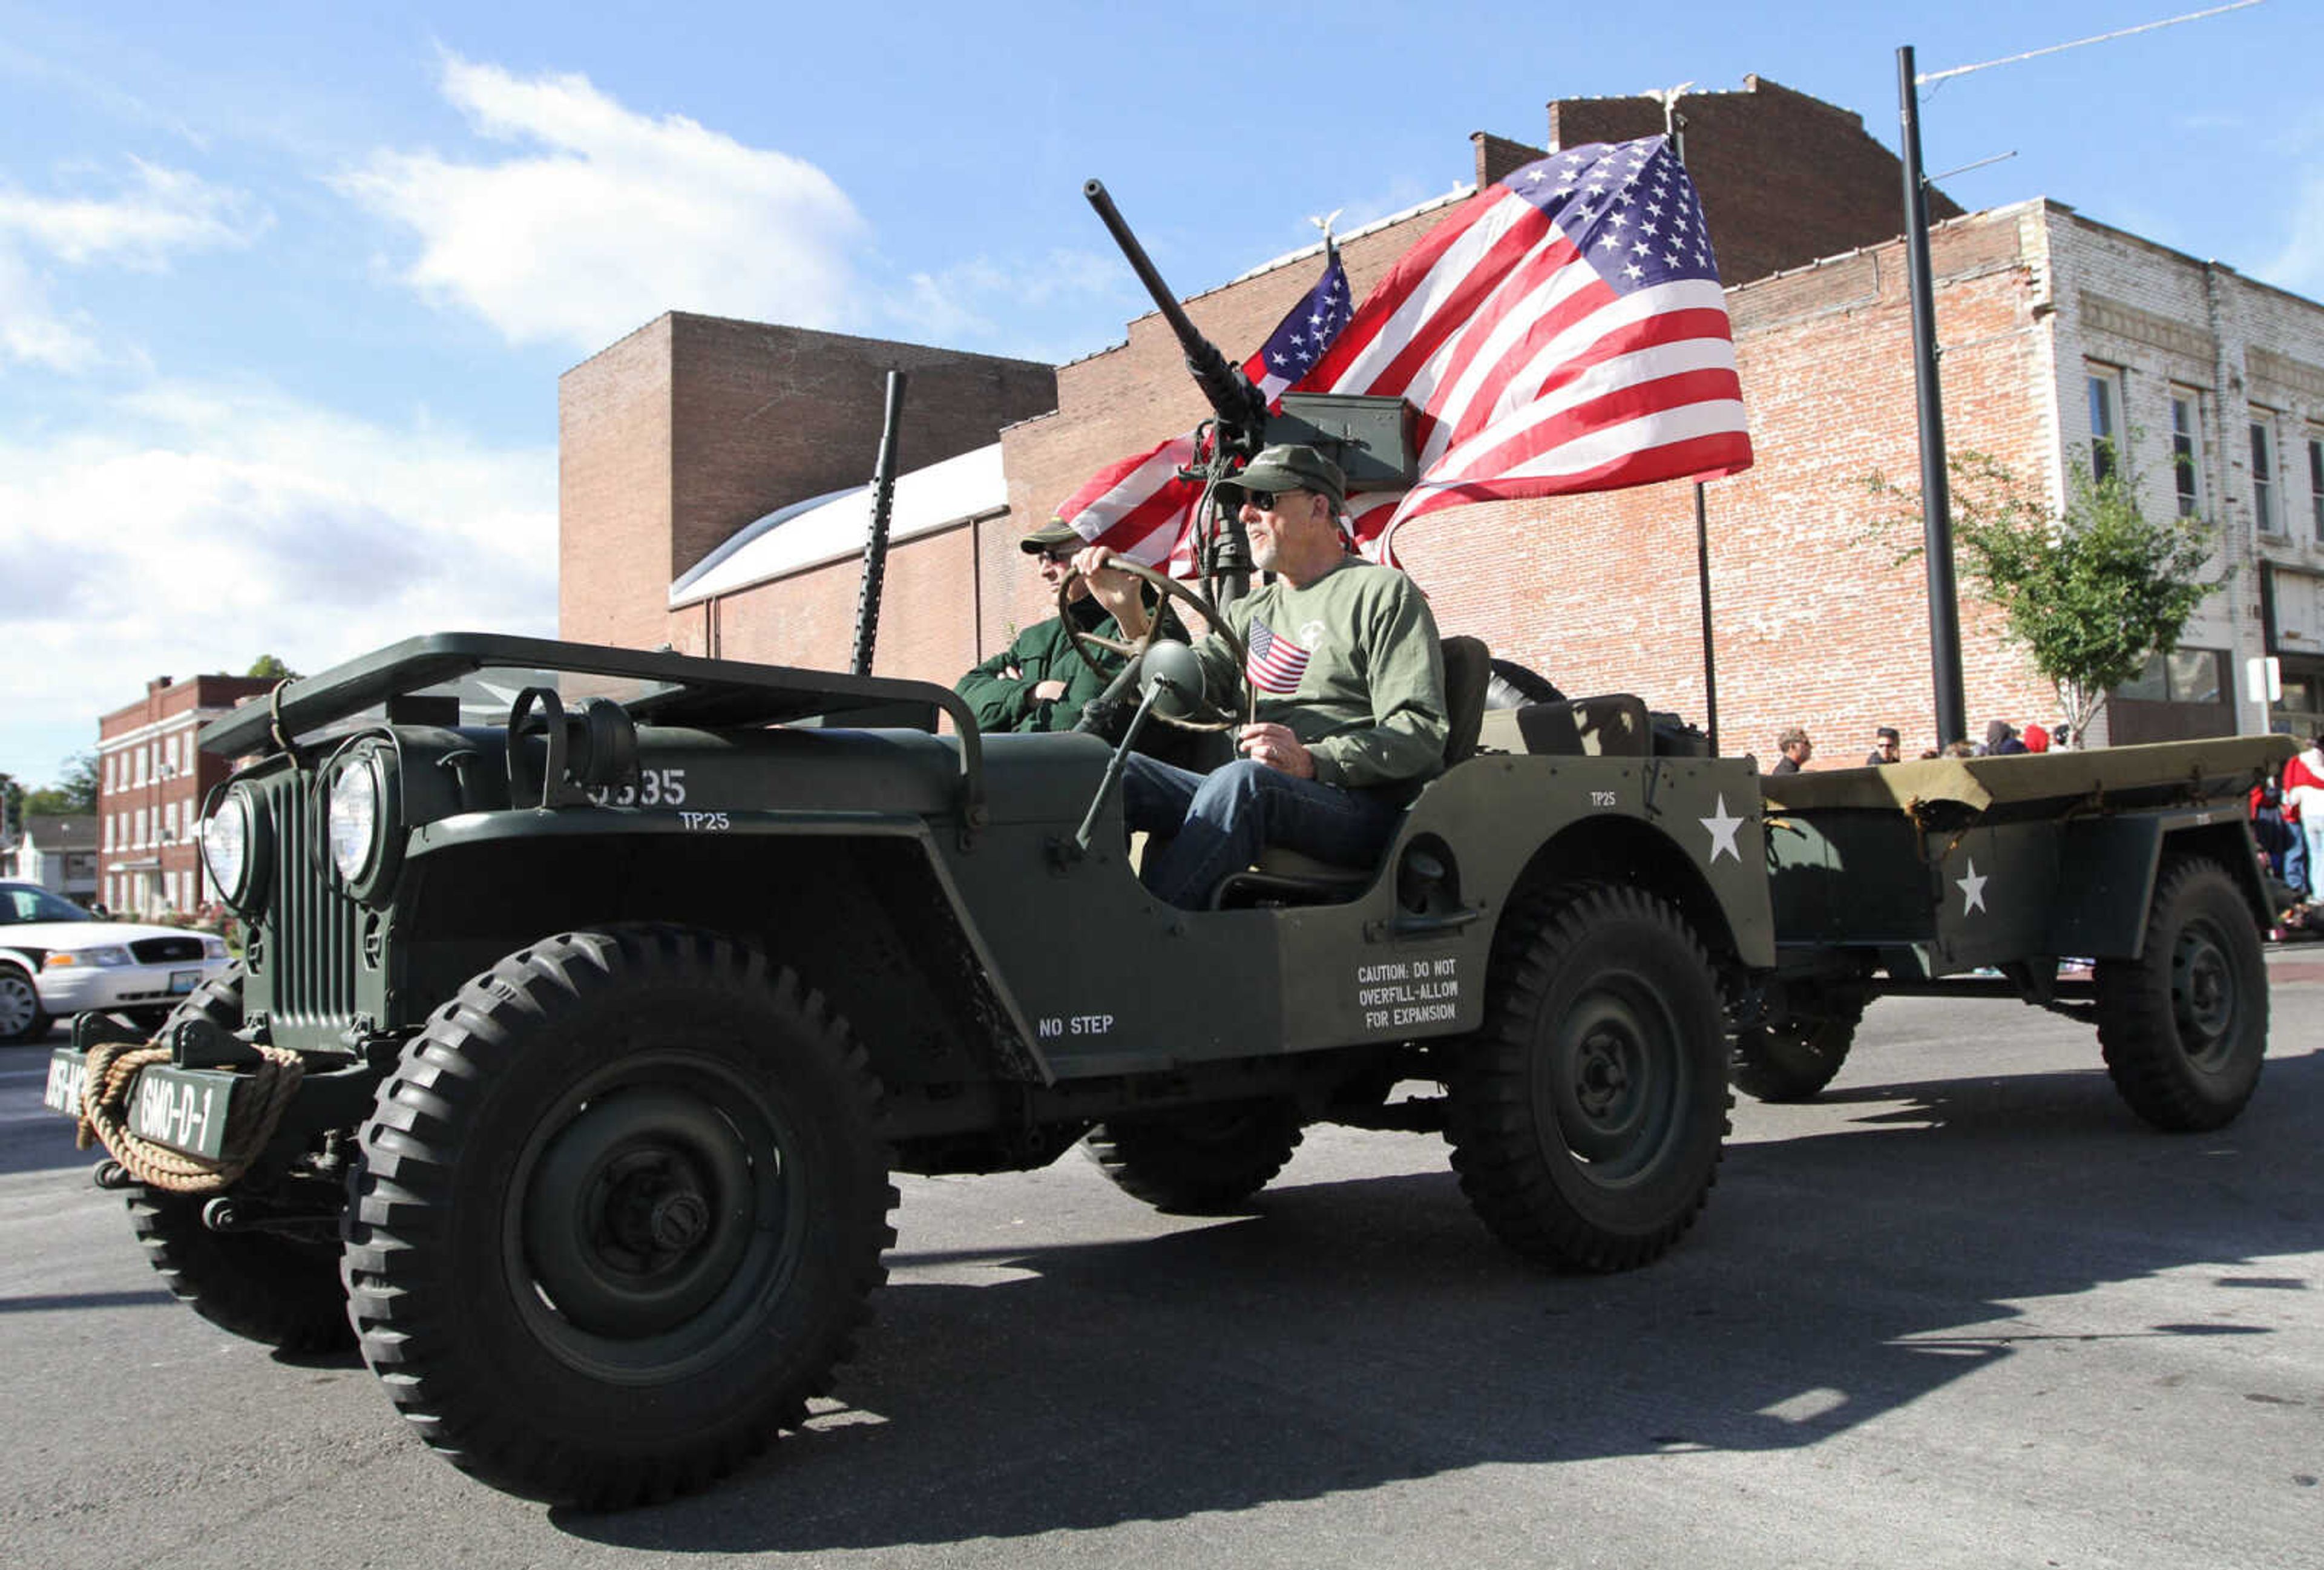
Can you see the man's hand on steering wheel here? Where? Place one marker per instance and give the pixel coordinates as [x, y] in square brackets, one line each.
[1113, 581]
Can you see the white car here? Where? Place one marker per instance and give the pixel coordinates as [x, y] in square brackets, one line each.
[57, 960]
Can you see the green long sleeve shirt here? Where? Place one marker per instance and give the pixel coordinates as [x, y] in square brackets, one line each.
[1351, 665]
[1042, 652]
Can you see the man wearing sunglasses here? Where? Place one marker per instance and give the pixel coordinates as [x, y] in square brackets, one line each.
[1038, 683]
[1349, 678]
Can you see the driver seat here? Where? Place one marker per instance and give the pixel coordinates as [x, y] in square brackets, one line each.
[1288, 877]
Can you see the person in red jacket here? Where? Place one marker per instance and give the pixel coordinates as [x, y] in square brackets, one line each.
[2303, 800]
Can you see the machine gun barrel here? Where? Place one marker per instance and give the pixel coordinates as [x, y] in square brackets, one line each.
[1230, 395]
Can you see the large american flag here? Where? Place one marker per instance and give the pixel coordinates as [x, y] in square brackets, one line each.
[1561, 331]
[1139, 506]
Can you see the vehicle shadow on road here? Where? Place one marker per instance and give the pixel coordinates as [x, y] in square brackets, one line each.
[1350, 1334]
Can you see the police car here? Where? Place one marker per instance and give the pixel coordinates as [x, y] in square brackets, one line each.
[57, 960]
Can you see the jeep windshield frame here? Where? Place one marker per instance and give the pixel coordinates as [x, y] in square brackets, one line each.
[682, 689]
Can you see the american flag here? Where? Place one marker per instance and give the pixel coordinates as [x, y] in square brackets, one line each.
[1276, 663]
[1139, 507]
[1562, 331]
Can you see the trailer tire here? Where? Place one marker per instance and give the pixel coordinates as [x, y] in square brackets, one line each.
[276, 1290]
[618, 1212]
[1793, 1059]
[2183, 1027]
[1588, 1115]
[1201, 1159]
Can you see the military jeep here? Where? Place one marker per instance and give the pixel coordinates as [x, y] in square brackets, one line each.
[610, 1022]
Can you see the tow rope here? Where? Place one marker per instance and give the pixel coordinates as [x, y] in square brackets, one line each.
[112, 1068]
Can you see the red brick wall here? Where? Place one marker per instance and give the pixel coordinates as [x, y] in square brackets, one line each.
[695, 425]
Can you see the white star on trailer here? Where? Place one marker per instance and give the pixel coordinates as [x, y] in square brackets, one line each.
[1972, 889]
[1722, 832]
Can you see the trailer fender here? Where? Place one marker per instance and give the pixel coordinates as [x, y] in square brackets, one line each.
[2108, 868]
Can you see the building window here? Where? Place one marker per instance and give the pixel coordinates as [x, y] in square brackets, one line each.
[2316, 484]
[169, 821]
[2182, 676]
[2187, 451]
[2105, 419]
[2263, 454]
[110, 760]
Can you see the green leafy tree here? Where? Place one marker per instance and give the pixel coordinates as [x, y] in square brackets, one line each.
[73, 796]
[2091, 593]
[267, 668]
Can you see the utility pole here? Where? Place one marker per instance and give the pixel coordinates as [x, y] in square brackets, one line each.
[1936, 494]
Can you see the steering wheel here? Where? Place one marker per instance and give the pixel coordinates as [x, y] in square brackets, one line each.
[1207, 715]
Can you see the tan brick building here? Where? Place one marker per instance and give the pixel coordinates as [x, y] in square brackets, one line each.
[150, 782]
[1817, 619]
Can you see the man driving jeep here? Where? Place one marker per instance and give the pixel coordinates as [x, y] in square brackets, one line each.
[1349, 678]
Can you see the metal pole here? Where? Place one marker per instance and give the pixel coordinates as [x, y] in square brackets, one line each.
[1674, 128]
[875, 547]
[1703, 585]
[1936, 498]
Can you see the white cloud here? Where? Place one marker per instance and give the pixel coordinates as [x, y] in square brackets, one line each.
[2300, 265]
[612, 217]
[164, 210]
[199, 528]
[161, 212]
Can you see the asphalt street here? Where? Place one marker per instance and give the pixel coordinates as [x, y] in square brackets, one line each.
[1964, 1310]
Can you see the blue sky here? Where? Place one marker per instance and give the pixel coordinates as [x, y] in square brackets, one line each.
[285, 289]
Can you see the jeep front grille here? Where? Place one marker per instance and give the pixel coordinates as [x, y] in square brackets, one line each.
[313, 930]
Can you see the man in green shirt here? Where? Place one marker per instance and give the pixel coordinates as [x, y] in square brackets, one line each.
[1038, 683]
[1349, 678]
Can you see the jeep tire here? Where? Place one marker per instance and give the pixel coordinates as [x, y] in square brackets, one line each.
[617, 1212]
[1587, 1113]
[274, 1288]
[1201, 1159]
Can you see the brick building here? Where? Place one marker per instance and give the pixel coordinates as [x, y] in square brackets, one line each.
[685, 432]
[150, 782]
[2050, 327]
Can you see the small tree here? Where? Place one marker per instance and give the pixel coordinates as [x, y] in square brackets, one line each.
[267, 668]
[2091, 593]
[74, 796]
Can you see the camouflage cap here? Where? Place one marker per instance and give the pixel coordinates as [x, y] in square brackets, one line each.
[1050, 536]
[1288, 467]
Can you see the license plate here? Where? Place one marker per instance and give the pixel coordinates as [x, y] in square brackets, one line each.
[66, 1068]
[182, 1108]
[184, 980]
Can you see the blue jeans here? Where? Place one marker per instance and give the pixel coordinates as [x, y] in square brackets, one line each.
[2312, 832]
[1222, 819]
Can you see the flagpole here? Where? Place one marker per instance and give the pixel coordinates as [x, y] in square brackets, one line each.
[1674, 128]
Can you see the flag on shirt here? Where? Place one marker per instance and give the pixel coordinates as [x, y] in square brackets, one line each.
[1562, 331]
[1139, 506]
[1273, 662]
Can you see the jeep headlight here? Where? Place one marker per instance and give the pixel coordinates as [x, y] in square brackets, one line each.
[353, 820]
[233, 850]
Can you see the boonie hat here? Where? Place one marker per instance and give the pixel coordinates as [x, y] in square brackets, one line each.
[1049, 536]
[1286, 467]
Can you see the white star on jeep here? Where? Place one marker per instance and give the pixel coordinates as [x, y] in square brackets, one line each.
[1722, 832]
[1972, 889]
